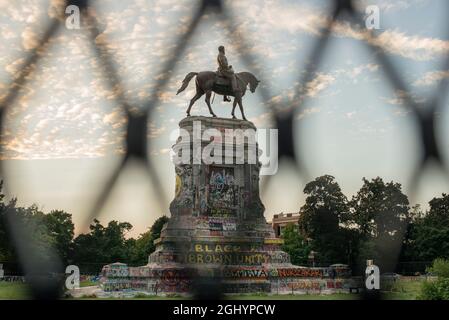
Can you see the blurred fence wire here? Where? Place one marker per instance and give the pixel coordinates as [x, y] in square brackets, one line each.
[45, 287]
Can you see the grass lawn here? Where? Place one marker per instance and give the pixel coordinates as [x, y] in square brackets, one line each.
[88, 283]
[401, 290]
[335, 296]
[13, 290]
[341, 296]
[404, 290]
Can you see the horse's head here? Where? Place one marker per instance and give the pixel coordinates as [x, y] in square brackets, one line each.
[249, 78]
[253, 85]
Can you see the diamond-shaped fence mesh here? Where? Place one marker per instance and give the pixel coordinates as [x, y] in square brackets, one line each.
[45, 286]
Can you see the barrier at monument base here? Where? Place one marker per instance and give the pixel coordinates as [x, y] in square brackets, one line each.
[217, 227]
[234, 279]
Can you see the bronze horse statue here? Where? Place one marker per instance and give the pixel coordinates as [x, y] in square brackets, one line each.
[208, 82]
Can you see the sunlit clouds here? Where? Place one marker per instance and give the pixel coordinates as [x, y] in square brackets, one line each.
[70, 81]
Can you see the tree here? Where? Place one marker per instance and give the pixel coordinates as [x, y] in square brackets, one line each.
[380, 211]
[157, 226]
[439, 210]
[115, 243]
[428, 238]
[61, 228]
[5, 248]
[295, 245]
[144, 245]
[50, 235]
[409, 250]
[102, 245]
[323, 217]
[37, 243]
[380, 208]
[47, 236]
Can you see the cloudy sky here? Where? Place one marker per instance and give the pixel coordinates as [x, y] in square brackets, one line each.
[64, 133]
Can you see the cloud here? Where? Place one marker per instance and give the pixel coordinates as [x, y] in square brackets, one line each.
[356, 71]
[156, 131]
[318, 84]
[307, 112]
[8, 33]
[386, 6]
[263, 120]
[431, 77]
[116, 119]
[30, 39]
[70, 102]
[350, 115]
[412, 47]
[271, 17]
[400, 97]
[56, 9]
[15, 66]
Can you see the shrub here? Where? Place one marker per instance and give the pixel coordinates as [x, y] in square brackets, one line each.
[440, 268]
[435, 290]
[438, 289]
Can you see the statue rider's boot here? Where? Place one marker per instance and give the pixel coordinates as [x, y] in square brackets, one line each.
[226, 99]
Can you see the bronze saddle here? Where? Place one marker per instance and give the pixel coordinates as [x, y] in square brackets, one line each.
[221, 80]
[222, 85]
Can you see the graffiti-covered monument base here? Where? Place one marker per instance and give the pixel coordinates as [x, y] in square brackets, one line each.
[217, 227]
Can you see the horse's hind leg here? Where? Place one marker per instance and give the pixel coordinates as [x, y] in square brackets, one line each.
[192, 101]
[208, 95]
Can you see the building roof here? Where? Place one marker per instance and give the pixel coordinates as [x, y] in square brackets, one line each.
[285, 217]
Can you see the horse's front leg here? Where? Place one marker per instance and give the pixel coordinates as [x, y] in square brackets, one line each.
[239, 101]
[234, 104]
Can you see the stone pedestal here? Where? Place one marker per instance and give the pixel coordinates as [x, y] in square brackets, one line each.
[217, 227]
[217, 224]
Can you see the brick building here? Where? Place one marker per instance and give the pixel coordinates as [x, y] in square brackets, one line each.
[281, 220]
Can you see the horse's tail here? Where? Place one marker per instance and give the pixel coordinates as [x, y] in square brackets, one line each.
[186, 81]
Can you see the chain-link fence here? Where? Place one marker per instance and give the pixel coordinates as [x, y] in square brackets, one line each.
[283, 115]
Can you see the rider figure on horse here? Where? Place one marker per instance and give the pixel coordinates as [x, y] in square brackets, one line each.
[226, 70]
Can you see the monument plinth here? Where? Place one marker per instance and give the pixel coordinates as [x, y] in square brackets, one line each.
[217, 226]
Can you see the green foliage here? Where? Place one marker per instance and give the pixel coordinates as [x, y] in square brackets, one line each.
[103, 244]
[428, 234]
[295, 245]
[440, 268]
[45, 234]
[340, 231]
[439, 210]
[6, 250]
[435, 290]
[379, 208]
[144, 245]
[109, 244]
[322, 219]
[61, 228]
[53, 233]
[380, 213]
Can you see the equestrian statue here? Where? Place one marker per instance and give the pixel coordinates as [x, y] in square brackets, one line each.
[224, 81]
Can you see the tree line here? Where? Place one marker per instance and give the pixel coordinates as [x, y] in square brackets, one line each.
[376, 223]
[55, 231]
